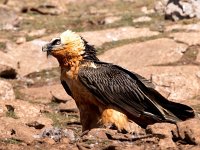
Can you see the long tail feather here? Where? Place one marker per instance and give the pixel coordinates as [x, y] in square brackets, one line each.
[181, 111]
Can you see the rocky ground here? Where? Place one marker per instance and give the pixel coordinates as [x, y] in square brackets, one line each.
[35, 111]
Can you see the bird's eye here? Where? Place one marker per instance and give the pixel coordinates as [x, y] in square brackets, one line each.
[56, 42]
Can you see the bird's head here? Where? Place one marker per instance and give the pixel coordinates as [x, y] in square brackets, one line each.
[68, 46]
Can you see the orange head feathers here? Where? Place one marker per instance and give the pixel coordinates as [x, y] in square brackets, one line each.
[68, 46]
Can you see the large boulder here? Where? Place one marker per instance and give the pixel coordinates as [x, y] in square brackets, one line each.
[177, 83]
[14, 129]
[190, 38]
[7, 60]
[45, 94]
[179, 9]
[157, 62]
[188, 131]
[116, 34]
[7, 72]
[137, 55]
[28, 57]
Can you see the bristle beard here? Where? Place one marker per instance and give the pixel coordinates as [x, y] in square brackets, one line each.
[90, 52]
[48, 54]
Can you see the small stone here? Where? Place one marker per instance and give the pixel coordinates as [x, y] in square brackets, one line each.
[37, 32]
[20, 40]
[112, 19]
[97, 133]
[160, 7]
[35, 124]
[146, 11]
[142, 19]
[69, 134]
[53, 133]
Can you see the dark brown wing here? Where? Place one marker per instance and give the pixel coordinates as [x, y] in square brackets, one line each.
[119, 88]
[66, 87]
[146, 82]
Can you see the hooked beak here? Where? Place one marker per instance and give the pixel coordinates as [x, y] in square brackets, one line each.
[47, 48]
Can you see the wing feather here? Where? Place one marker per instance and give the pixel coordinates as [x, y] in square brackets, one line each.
[117, 87]
[66, 87]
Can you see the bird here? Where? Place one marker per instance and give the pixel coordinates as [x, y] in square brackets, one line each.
[107, 94]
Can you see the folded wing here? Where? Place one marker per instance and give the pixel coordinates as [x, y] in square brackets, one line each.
[128, 92]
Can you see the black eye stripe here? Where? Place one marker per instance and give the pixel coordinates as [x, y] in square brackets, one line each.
[56, 42]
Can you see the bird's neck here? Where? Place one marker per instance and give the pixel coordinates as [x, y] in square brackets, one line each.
[70, 66]
[69, 62]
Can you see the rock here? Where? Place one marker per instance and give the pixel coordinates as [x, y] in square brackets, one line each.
[137, 55]
[131, 1]
[30, 51]
[13, 128]
[188, 131]
[163, 129]
[53, 133]
[26, 109]
[49, 141]
[116, 34]
[37, 33]
[146, 11]
[93, 10]
[142, 19]
[188, 28]
[180, 84]
[112, 19]
[65, 140]
[96, 133]
[59, 92]
[35, 124]
[6, 91]
[176, 10]
[7, 72]
[198, 60]
[69, 134]
[44, 94]
[23, 109]
[177, 83]
[20, 40]
[9, 19]
[160, 6]
[190, 38]
[69, 106]
[57, 134]
[8, 60]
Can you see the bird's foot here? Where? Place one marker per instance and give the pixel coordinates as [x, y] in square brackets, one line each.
[131, 128]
